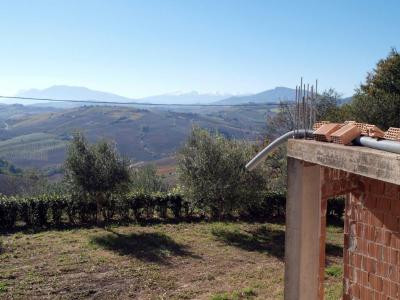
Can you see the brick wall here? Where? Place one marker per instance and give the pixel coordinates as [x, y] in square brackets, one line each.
[333, 183]
[372, 241]
[371, 254]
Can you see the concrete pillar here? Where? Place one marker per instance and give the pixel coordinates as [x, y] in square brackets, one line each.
[303, 232]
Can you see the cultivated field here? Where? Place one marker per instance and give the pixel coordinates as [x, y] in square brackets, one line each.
[39, 139]
[166, 261]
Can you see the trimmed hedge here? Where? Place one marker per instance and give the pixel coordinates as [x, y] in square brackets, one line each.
[272, 206]
[55, 210]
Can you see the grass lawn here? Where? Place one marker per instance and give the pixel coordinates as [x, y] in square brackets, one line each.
[180, 261]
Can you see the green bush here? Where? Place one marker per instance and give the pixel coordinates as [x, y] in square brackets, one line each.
[136, 204]
[271, 206]
[8, 211]
[57, 206]
[175, 203]
[55, 210]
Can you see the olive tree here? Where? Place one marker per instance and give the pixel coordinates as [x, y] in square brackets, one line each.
[95, 171]
[212, 173]
[146, 180]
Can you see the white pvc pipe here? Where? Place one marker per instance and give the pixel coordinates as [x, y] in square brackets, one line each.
[262, 155]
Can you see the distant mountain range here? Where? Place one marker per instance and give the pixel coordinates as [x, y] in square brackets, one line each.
[72, 92]
[275, 95]
[83, 93]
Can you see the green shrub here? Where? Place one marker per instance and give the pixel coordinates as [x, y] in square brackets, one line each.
[271, 206]
[57, 206]
[137, 204]
[175, 203]
[161, 203]
[41, 210]
[8, 211]
[53, 209]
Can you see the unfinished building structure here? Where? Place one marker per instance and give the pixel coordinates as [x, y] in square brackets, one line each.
[370, 179]
[322, 165]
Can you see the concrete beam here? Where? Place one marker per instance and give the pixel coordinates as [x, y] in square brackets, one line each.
[303, 232]
[363, 161]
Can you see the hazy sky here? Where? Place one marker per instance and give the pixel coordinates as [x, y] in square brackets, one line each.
[141, 48]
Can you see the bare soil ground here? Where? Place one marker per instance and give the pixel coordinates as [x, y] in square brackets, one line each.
[182, 261]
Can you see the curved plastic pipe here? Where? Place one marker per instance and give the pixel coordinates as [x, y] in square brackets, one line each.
[384, 145]
[262, 155]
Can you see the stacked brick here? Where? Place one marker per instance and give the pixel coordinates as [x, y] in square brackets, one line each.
[345, 133]
[392, 134]
[372, 242]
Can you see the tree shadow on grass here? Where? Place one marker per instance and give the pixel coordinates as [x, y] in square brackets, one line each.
[264, 240]
[151, 247]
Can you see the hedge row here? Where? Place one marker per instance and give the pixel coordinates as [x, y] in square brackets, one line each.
[55, 210]
[47, 210]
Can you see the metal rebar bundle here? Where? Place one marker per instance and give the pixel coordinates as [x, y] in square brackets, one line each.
[305, 106]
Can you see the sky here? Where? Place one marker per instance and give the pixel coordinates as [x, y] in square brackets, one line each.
[143, 48]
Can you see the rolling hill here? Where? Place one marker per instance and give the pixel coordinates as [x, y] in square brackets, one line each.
[40, 140]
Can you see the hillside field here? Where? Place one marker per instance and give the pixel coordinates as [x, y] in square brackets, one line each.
[39, 139]
[213, 261]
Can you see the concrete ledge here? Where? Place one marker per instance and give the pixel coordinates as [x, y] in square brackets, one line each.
[363, 161]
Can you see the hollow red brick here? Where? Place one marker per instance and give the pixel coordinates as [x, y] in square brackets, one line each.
[387, 238]
[375, 282]
[393, 273]
[392, 190]
[379, 236]
[395, 206]
[386, 254]
[383, 203]
[370, 201]
[395, 241]
[386, 286]
[391, 222]
[319, 124]
[394, 290]
[377, 187]
[372, 131]
[355, 290]
[394, 254]
[346, 134]
[323, 133]
[393, 133]
[382, 269]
